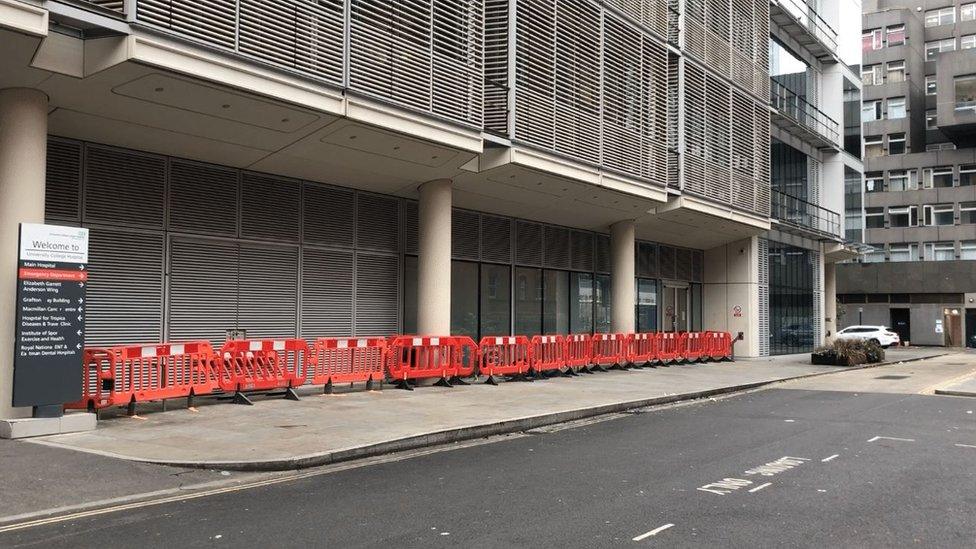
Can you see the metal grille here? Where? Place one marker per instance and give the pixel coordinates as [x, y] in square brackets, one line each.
[695, 28]
[668, 262]
[556, 247]
[377, 222]
[818, 312]
[496, 66]
[210, 21]
[496, 239]
[267, 304]
[581, 249]
[717, 47]
[717, 130]
[647, 260]
[684, 267]
[63, 185]
[653, 14]
[328, 215]
[465, 237]
[602, 253]
[411, 228]
[327, 292]
[528, 243]
[202, 198]
[535, 71]
[763, 269]
[377, 297]
[202, 289]
[124, 187]
[270, 207]
[698, 266]
[577, 80]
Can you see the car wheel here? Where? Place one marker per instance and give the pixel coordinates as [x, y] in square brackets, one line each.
[875, 341]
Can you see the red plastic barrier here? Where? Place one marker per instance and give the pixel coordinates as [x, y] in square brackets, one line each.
[719, 345]
[120, 376]
[610, 349]
[504, 356]
[695, 346]
[668, 350]
[579, 350]
[442, 358]
[347, 360]
[642, 348]
[547, 353]
[681, 349]
[263, 364]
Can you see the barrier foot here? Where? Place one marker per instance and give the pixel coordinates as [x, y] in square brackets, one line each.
[402, 384]
[586, 370]
[490, 380]
[189, 399]
[163, 404]
[369, 384]
[241, 398]
[521, 377]
[443, 382]
[570, 373]
[458, 381]
[328, 388]
[598, 368]
[619, 366]
[290, 394]
[131, 410]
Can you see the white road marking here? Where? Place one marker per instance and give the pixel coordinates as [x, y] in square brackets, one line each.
[653, 532]
[829, 458]
[965, 446]
[892, 438]
[760, 487]
[789, 420]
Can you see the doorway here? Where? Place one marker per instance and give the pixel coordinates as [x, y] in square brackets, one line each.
[953, 327]
[901, 324]
[971, 328]
[675, 301]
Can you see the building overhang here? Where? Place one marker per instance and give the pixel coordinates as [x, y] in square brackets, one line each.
[835, 252]
[699, 223]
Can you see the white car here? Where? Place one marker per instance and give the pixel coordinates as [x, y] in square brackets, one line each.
[880, 334]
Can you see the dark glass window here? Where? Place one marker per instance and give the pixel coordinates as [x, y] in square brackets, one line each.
[791, 319]
[528, 301]
[601, 305]
[496, 299]
[581, 303]
[646, 305]
[464, 299]
[555, 306]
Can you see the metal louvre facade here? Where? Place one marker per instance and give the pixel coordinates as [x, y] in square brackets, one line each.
[422, 54]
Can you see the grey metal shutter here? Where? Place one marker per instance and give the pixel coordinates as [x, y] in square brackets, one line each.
[124, 303]
[410, 228]
[270, 208]
[602, 253]
[377, 284]
[268, 296]
[668, 257]
[457, 73]
[698, 266]
[124, 187]
[581, 246]
[556, 249]
[377, 222]
[327, 292]
[528, 243]
[203, 286]
[535, 57]
[203, 198]
[465, 237]
[496, 239]
[329, 214]
[763, 315]
[63, 184]
[647, 260]
[684, 268]
[212, 21]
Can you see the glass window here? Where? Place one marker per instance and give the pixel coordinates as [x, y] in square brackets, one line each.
[941, 16]
[896, 143]
[937, 177]
[873, 146]
[874, 182]
[968, 249]
[555, 306]
[930, 85]
[903, 252]
[870, 111]
[581, 303]
[946, 146]
[967, 42]
[902, 180]
[601, 305]
[896, 71]
[965, 92]
[938, 214]
[895, 35]
[410, 294]
[496, 299]
[940, 251]
[871, 40]
[791, 316]
[967, 213]
[967, 175]
[931, 119]
[935, 47]
[528, 301]
[464, 299]
[896, 108]
[903, 216]
[873, 257]
[874, 218]
[871, 75]
[646, 305]
[967, 12]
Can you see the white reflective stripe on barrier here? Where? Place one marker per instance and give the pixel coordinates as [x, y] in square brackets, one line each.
[278, 345]
[342, 344]
[435, 341]
[145, 352]
[362, 343]
[417, 342]
[254, 346]
[177, 349]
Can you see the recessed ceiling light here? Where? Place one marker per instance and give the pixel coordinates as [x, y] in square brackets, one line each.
[352, 137]
[285, 120]
[225, 106]
[159, 89]
[396, 148]
[434, 157]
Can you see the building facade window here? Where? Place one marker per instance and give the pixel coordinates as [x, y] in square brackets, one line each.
[874, 218]
[965, 92]
[853, 205]
[931, 119]
[930, 86]
[967, 175]
[874, 182]
[967, 42]
[967, 213]
[873, 257]
[896, 71]
[937, 177]
[903, 216]
[946, 146]
[895, 35]
[902, 180]
[967, 250]
[941, 16]
[791, 272]
[896, 108]
[871, 75]
[938, 214]
[871, 40]
[873, 146]
[940, 251]
[903, 252]
[935, 47]
[896, 143]
[967, 12]
[871, 111]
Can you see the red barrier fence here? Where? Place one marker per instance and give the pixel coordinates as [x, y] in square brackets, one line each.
[547, 353]
[719, 346]
[347, 360]
[579, 351]
[262, 365]
[610, 349]
[695, 346]
[504, 356]
[446, 359]
[122, 376]
[668, 351]
[642, 348]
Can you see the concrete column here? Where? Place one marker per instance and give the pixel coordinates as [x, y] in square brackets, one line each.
[830, 300]
[434, 263]
[731, 293]
[622, 310]
[23, 157]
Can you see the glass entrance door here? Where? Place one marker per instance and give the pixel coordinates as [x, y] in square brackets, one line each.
[675, 302]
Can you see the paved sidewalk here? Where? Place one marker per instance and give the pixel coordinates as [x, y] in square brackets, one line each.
[278, 434]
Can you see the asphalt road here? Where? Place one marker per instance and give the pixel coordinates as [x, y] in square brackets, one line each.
[715, 472]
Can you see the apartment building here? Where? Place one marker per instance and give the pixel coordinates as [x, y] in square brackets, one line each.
[919, 117]
[291, 168]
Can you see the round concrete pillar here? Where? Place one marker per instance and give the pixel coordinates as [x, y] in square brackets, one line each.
[830, 301]
[622, 312]
[23, 166]
[434, 261]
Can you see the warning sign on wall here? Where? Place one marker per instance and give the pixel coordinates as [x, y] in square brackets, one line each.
[737, 311]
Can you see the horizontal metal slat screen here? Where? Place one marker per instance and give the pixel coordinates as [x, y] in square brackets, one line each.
[124, 302]
[328, 216]
[327, 292]
[528, 243]
[203, 198]
[684, 269]
[623, 94]
[556, 247]
[465, 234]
[698, 266]
[581, 248]
[458, 59]
[496, 66]
[667, 266]
[577, 80]
[203, 289]
[535, 70]
[377, 298]
[377, 222]
[717, 133]
[411, 231]
[496, 238]
[63, 185]
[268, 296]
[124, 187]
[602, 253]
[693, 175]
[270, 208]
[647, 260]
[743, 152]
[211, 21]
[762, 159]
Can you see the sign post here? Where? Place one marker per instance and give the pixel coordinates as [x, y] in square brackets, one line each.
[49, 336]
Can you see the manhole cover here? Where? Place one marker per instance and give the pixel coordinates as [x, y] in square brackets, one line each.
[891, 377]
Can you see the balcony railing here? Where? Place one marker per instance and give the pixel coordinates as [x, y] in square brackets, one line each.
[804, 215]
[794, 107]
[806, 16]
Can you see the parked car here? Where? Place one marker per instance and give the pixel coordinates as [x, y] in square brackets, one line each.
[879, 334]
